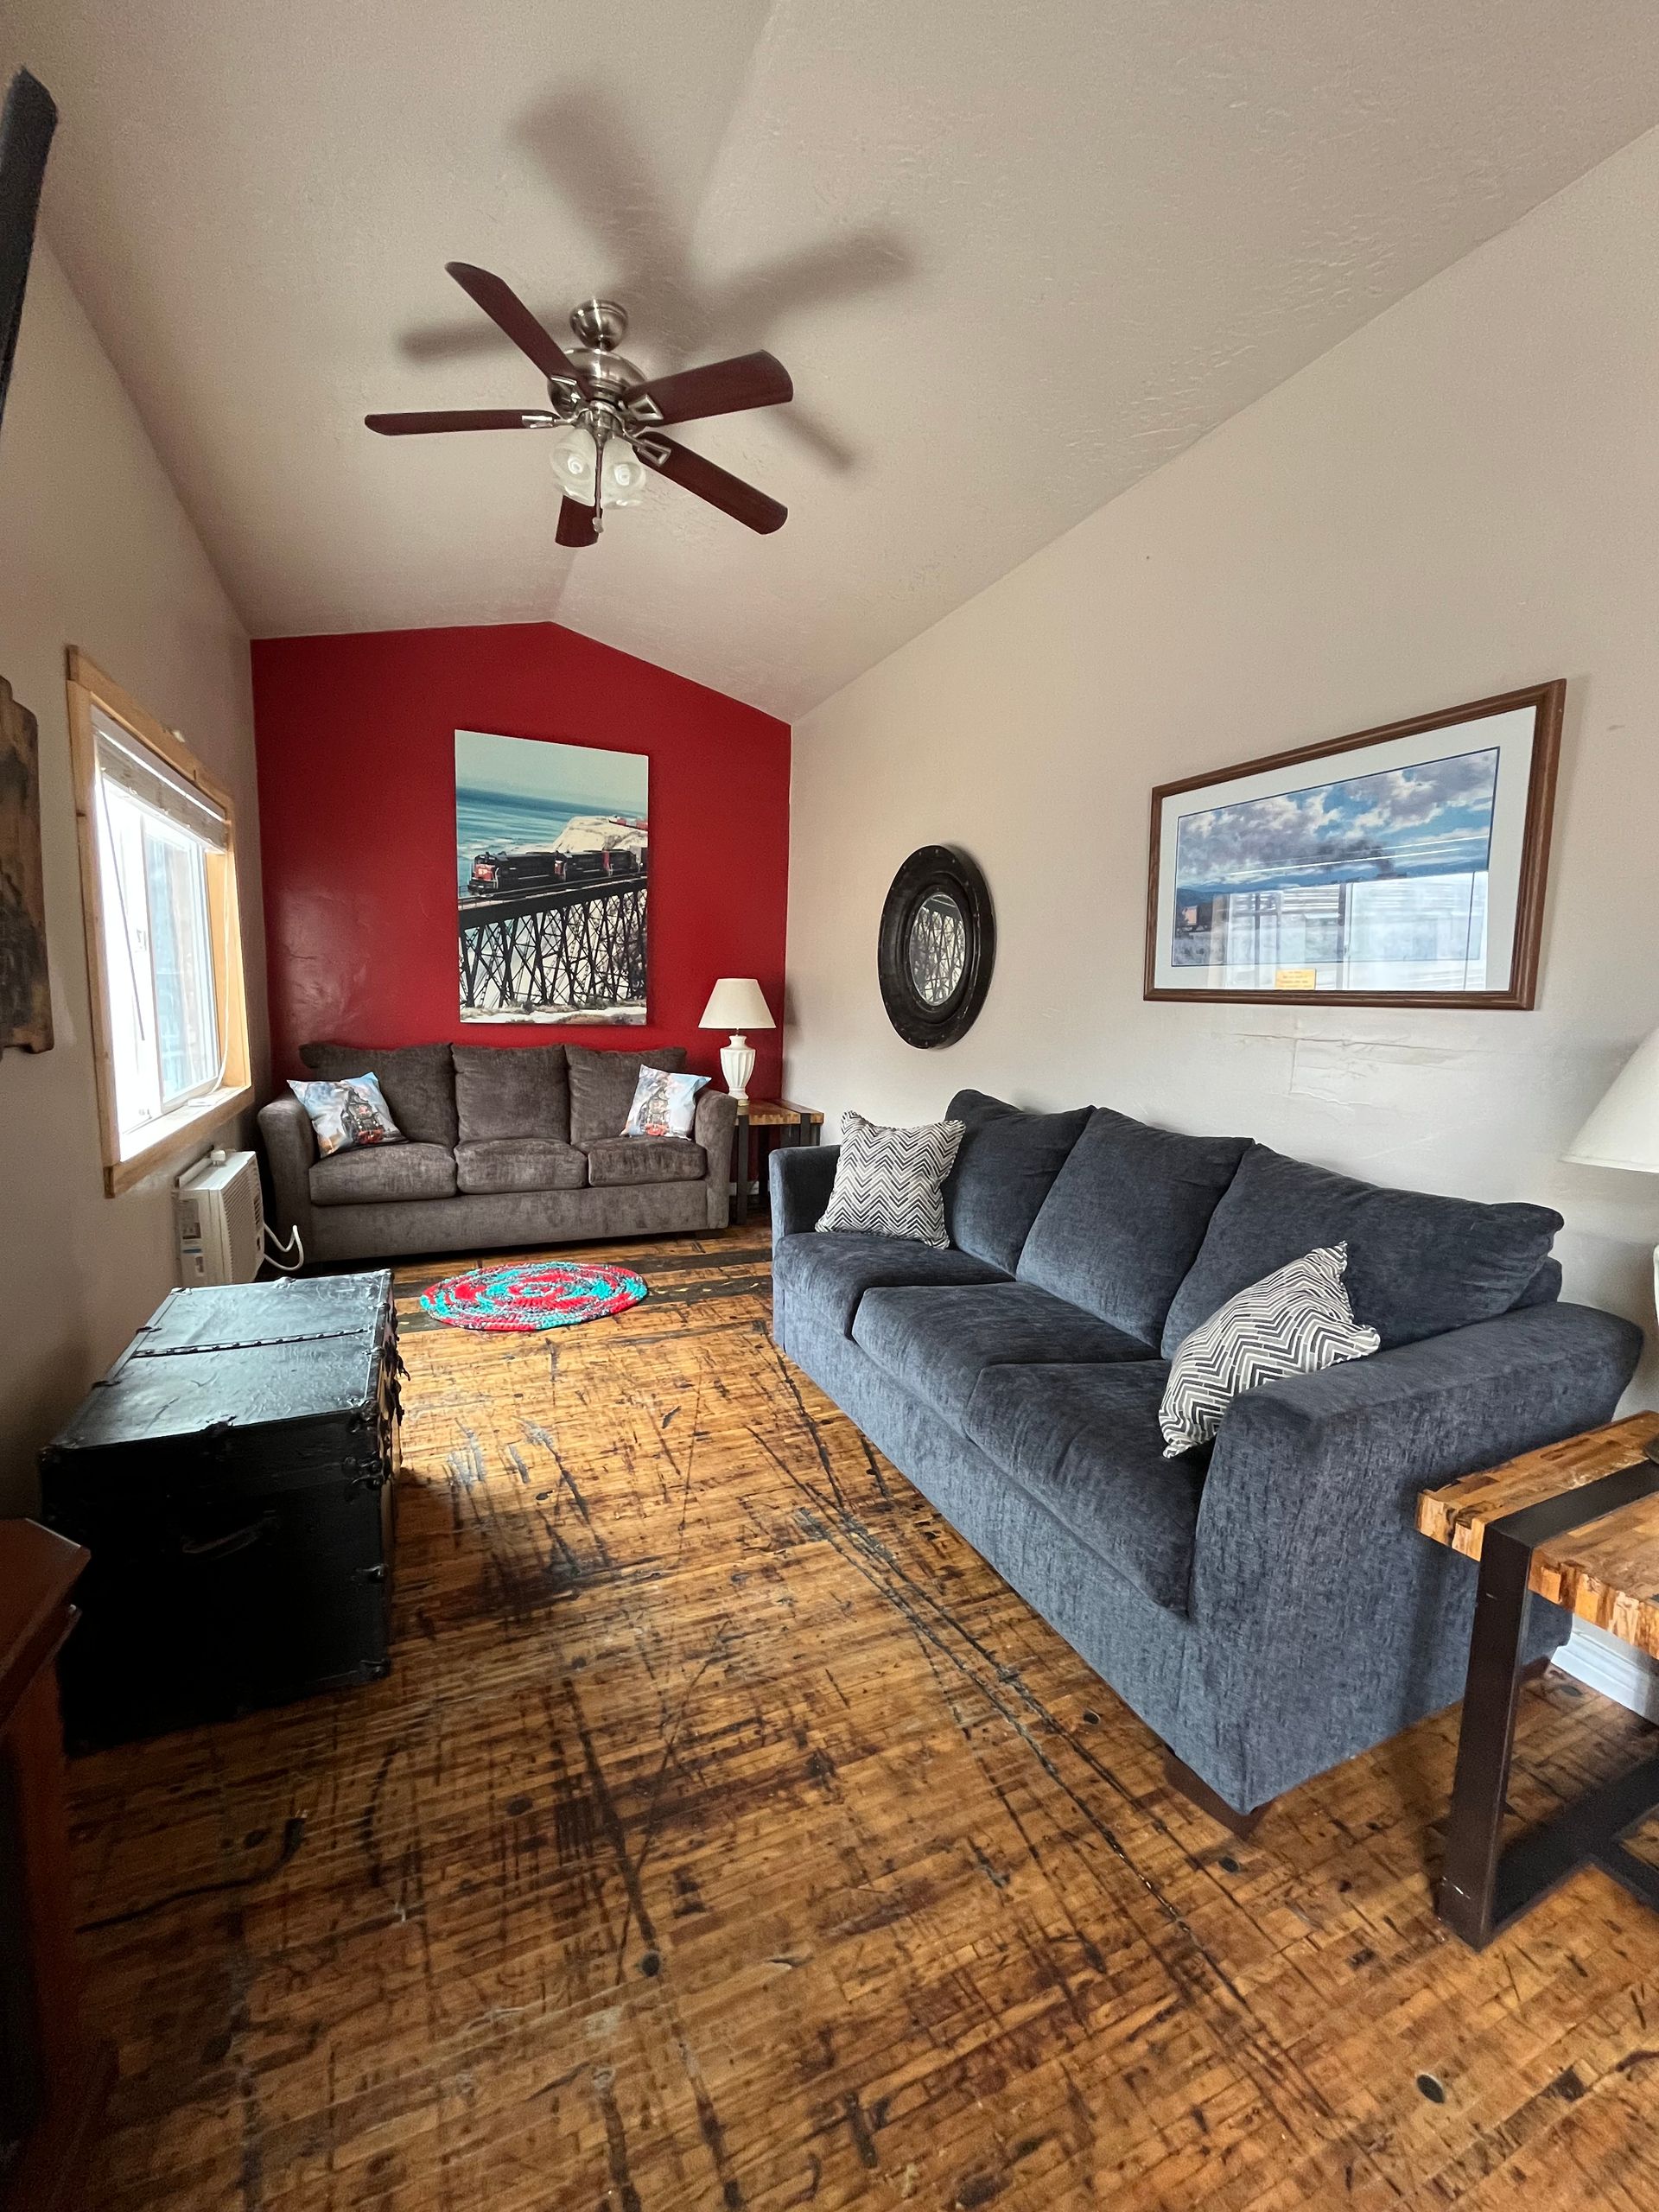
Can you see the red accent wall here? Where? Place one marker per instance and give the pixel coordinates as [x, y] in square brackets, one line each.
[357, 826]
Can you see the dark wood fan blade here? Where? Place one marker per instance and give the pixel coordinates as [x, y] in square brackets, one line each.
[471, 418]
[717, 388]
[575, 524]
[508, 313]
[693, 474]
[26, 126]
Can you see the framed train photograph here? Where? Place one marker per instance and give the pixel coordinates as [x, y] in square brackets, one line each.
[552, 881]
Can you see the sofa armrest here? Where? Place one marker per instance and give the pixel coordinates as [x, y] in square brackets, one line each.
[1318, 1605]
[290, 1145]
[802, 1177]
[711, 1127]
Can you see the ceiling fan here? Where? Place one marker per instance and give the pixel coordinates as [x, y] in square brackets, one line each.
[608, 414]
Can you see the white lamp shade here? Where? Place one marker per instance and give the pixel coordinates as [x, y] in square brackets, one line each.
[624, 476]
[1624, 1131]
[570, 450]
[735, 1003]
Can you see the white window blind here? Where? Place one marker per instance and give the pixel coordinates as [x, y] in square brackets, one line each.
[157, 834]
[128, 763]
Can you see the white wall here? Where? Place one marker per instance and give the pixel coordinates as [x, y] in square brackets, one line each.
[1461, 498]
[95, 552]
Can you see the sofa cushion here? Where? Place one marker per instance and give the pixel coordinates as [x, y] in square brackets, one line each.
[1006, 1166]
[342, 1115]
[1544, 1288]
[827, 1275]
[645, 1159]
[418, 1080]
[603, 1084]
[1125, 1220]
[495, 1164]
[1295, 1321]
[377, 1174]
[1084, 1442]
[936, 1342]
[1418, 1265]
[511, 1090]
[889, 1179]
[665, 1105]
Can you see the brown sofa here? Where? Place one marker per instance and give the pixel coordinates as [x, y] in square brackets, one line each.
[507, 1145]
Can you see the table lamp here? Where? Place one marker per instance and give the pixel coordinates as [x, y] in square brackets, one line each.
[1624, 1131]
[735, 1004]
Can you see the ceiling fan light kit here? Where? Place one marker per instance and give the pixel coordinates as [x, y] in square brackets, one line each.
[606, 415]
[573, 458]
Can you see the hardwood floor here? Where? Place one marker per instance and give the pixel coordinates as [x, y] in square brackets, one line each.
[728, 1835]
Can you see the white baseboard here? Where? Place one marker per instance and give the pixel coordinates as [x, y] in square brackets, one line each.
[1603, 1663]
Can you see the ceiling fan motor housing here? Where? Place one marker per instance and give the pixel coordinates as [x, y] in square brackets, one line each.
[600, 326]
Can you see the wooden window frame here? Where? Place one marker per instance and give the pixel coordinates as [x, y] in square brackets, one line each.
[175, 1137]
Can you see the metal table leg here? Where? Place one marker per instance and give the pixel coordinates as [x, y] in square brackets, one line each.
[1484, 1887]
[741, 1166]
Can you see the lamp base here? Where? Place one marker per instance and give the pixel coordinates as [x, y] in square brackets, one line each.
[737, 1066]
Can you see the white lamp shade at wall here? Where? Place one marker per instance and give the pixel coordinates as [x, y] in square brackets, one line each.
[1624, 1131]
[735, 1004]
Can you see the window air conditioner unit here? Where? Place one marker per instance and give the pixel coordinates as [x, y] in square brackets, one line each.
[221, 1218]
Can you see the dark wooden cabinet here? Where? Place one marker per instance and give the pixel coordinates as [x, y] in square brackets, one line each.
[53, 2081]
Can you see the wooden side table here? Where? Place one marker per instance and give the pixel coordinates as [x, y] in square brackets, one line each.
[791, 1125]
[53, 2079]
[1579, 1523]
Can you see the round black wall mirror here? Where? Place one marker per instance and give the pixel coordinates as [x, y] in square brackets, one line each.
[937, 946]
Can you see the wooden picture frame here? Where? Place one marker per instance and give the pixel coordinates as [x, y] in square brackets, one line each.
[1243, 888]
[25, 959]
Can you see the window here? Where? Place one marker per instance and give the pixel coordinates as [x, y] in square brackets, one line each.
[163, 940]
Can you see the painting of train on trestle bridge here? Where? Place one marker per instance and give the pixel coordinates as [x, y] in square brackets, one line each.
[552, 881]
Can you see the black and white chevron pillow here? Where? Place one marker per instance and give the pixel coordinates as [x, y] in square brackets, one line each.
[1294, 1321]
[887, 1180]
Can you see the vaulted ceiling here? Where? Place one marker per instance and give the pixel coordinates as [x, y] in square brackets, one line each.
[1015, 252]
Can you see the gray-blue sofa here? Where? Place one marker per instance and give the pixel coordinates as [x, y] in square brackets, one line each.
[1267, 1608]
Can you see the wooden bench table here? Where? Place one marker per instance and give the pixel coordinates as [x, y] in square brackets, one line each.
[1578, 1524]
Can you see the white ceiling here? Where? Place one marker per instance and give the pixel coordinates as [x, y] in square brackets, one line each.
[1015, 253]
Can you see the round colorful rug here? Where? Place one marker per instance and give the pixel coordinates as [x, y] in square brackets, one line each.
[548, 1294]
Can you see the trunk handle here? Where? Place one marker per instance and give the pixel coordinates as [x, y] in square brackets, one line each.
[238, 1540]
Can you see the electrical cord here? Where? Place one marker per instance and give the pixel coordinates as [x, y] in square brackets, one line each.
[292, 1242]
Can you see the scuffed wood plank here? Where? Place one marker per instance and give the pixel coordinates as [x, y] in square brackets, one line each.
[728, 1835]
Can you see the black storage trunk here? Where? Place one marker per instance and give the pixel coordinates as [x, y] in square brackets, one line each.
[233, 1477]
